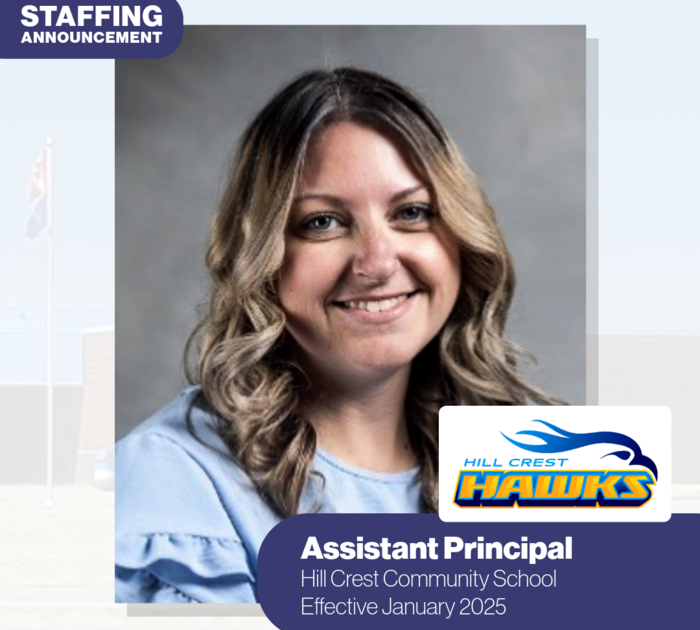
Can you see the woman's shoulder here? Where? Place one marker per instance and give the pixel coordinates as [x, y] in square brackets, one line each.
[175, 474]
[183, 508]
[165, 469]
[171, 422]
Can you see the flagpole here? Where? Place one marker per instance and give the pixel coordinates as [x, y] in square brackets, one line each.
[49, 321]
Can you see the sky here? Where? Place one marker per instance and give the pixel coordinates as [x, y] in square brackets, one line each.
[76, 110]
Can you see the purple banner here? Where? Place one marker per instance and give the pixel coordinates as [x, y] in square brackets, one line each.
[77, 30]
[415, 571]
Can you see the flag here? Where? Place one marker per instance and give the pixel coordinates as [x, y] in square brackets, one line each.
[38, 197]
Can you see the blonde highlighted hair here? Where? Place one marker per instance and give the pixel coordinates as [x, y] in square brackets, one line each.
[245, 358]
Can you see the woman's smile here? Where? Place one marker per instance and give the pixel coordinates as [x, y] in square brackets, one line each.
[370, 275]
[377, 310]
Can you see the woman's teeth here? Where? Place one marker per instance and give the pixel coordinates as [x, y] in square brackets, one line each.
[375, 306]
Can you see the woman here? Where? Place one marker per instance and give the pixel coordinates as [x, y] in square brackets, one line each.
[360, 282]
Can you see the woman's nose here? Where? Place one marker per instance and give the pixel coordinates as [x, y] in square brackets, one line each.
[375, 256]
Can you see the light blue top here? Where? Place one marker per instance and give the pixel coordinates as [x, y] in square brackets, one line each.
[189, 522]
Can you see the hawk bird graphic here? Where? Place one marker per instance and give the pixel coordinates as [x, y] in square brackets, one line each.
[567, 441]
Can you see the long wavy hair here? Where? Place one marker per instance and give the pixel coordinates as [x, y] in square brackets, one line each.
[245, 358]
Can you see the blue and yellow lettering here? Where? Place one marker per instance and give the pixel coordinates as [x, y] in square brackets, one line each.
[586, 488]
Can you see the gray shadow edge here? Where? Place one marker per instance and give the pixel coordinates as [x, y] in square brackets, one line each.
[592, 270]
[200, 610]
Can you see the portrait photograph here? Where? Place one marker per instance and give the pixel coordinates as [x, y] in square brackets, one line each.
[324, 235]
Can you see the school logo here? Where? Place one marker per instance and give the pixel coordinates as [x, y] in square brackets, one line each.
[545, 463]
[545, 487]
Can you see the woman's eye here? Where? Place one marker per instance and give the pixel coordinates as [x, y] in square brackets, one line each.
[415, 213]
[320, 224]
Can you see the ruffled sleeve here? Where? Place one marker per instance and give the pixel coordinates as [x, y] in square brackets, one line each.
[175, 542]
[180, 568]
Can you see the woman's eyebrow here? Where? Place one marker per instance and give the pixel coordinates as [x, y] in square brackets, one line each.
[407, 193]
[339, 201]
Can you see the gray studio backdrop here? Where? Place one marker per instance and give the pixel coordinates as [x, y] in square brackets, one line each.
[513, 99]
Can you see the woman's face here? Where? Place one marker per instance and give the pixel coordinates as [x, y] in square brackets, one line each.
[370, 274]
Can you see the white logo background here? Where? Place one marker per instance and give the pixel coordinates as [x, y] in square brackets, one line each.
[475, 433]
